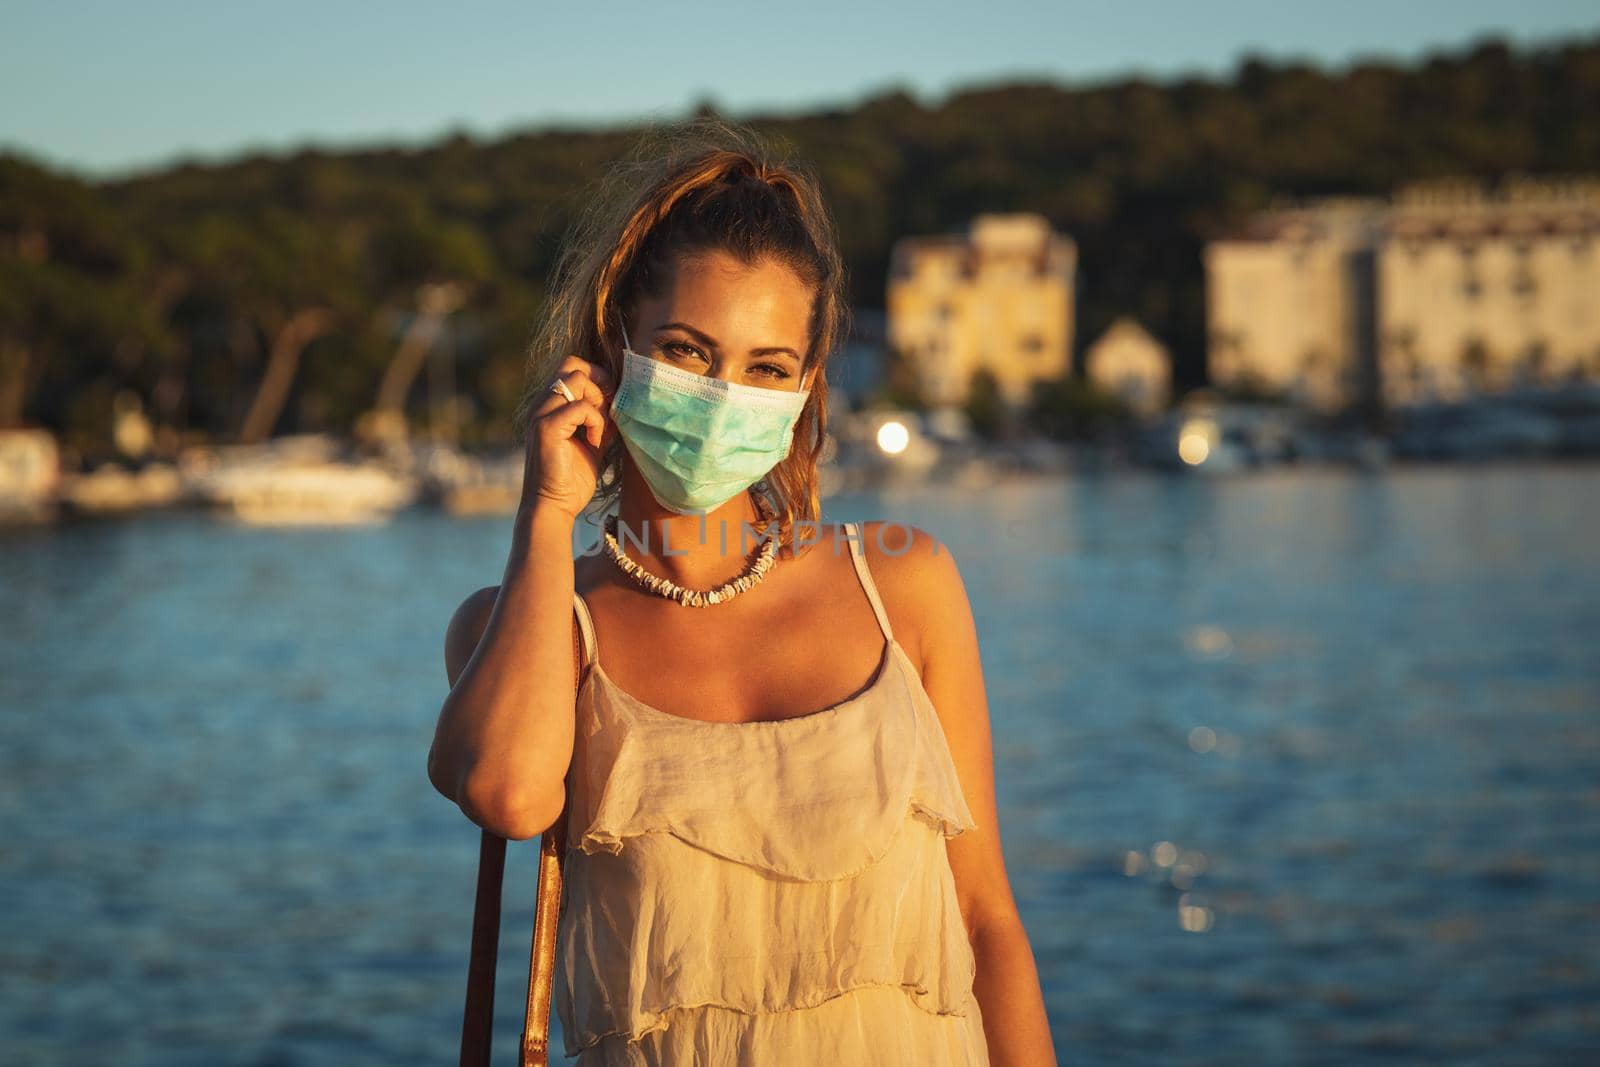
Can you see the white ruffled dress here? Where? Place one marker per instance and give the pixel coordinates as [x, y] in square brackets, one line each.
[765, 893]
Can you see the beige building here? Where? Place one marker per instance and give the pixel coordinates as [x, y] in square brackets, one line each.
[1479, 294]
[999, 296]
[1445, 291]
[1286, 307]
[1127, 361]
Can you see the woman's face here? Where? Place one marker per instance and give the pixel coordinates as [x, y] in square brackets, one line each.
[718, 317]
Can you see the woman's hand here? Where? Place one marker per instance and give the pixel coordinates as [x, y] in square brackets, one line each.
[567, 438]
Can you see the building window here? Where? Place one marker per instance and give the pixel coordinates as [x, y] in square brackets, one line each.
[1524, 284]
[1475, 363]
[1535, 362]
[1471, 278]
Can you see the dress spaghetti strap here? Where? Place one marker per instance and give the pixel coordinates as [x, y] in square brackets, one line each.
[853, 534]
[591, 644]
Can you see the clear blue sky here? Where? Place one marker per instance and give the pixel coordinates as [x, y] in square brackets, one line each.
[103, 87]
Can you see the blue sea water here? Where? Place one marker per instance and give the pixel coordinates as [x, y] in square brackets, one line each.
[1301, 766]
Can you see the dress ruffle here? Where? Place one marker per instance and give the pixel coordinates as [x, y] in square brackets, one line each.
[814, 798]
[663, 925]
[869, 1025]
[758, 868]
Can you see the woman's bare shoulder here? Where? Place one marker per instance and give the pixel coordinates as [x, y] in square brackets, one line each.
[466, 628]
[905, 554]
[916, 576]
[471, 619]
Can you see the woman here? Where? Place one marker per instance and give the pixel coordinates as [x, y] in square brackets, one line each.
[769, 860]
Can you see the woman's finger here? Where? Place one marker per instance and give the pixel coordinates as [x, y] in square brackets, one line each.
[566, 420]
[577, 384]
[597, 371]
[584, 387]
[551, 401]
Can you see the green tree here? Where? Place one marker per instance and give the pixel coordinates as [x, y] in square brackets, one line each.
[1071, 408]
[985, 407]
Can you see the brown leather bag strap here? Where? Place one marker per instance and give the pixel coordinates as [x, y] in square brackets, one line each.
[477, 1030]
[477, 1027]
[546, 914]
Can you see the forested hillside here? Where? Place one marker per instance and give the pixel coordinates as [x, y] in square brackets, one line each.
[185, 284]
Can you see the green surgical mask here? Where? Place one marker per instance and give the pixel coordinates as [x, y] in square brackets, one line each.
[699, 441]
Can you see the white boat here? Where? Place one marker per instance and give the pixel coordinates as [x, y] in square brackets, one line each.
[485, 487]
[459, 482]
[30, 475]
[112, 488]
[296, 481]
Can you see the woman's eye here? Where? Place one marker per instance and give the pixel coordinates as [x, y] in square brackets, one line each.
[679, 348]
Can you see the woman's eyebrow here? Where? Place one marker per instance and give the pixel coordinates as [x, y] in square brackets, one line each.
[710, 342]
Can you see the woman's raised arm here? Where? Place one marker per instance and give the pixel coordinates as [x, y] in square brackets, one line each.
[505, 732]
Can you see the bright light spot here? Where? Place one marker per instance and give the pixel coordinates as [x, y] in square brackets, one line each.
[1163, 853]
[1132, 862]
[1202, 739]
[1209, 641]
[893, 437]
[1193, 449]
[1195, 439]
[1194, 917]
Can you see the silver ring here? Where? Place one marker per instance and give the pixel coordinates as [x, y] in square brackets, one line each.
[561, 387]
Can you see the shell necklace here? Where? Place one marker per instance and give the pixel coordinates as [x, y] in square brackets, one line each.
[698, 598]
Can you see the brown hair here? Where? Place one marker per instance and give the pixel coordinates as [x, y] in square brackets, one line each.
[694, 186]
